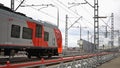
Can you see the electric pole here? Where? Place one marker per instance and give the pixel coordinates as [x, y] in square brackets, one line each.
[66, 32]
[12, 4]
[112, 30]
[96, 24]
[106, 32]
[88, 35]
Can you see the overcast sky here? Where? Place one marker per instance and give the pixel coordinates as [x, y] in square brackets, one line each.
[106, 7]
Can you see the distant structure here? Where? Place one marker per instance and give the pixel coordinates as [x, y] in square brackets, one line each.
[86, 46]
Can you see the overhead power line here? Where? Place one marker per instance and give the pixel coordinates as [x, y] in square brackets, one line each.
[67, 7]
[105, 23]
[64, 8]
[19, 5]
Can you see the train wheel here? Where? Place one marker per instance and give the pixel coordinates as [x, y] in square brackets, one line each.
[49, 55]
[29, 56]
[11, 54]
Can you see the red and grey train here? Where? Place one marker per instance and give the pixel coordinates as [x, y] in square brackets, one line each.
[21, 33]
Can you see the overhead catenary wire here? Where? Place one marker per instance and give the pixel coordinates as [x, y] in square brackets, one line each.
[66, 9]
[19, 5]
[91, 24]
[105, 23]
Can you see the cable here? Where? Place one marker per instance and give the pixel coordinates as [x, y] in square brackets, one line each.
[105, 23]
[92, 24]
[19, 5]
[88, 21]
[67, 7]
[64, 8]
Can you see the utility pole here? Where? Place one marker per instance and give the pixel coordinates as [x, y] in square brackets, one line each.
[112, 30]
[80, 32]
[12, 4]
[67, 28]
[88, 35]
[96, 24]
[106, 32]
[66, 32]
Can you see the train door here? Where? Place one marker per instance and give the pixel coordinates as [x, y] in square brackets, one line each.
[39, 35]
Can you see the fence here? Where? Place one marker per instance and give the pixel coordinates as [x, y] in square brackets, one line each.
[85, 61]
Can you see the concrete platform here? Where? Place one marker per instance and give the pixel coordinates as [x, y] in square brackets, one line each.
[115, 63]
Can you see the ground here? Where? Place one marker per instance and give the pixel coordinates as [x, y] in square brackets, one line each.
[115, 63]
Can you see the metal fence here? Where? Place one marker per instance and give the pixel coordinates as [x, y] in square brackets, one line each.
[92, 62]
[84, 61]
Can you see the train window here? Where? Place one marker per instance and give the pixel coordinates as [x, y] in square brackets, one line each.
[38, 31]
[46, 36]
[27, 33]
[15, 31]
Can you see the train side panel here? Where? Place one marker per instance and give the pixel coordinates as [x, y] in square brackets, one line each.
[12, 29]
[21, 29]
[3, 28]
[51, 39]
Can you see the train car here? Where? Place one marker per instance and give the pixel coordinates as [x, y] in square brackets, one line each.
[21, 33]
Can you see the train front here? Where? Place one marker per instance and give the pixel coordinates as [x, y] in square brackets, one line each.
[58, 40]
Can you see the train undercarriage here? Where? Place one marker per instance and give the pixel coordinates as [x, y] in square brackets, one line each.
[30, 51]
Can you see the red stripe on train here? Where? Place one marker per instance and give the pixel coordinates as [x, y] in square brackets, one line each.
[37, 41]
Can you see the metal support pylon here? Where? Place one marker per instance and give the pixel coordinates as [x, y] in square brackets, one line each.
[66, 32]
[112, 30]
[96, 24]
[12, 4]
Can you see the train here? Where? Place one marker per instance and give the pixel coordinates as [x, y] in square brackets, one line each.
[19, 32]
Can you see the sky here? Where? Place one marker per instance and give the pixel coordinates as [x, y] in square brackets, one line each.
[68, 7]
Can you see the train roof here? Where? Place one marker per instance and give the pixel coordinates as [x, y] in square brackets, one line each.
[48, 24]
[8, 9]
